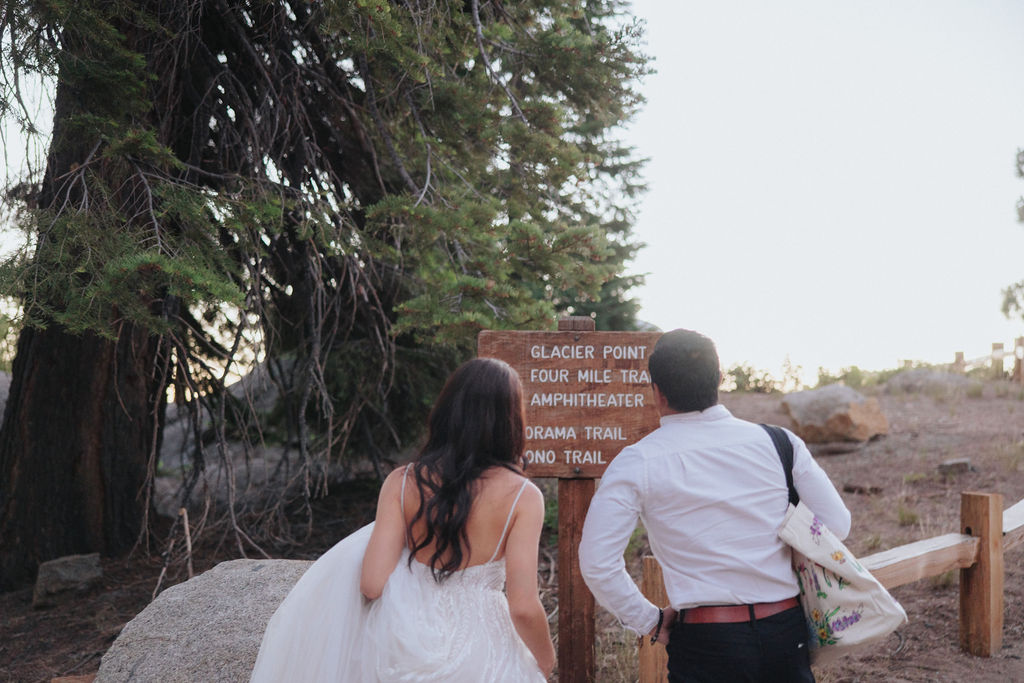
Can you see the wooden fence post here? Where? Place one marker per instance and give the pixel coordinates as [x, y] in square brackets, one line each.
[653, 658]
[576, 613]
[997, 360]
[1018, 361]
[981, 584]
[576, 663]
[958, 362]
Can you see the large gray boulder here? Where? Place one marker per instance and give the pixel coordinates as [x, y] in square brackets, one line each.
[835, 413]
[206, 629]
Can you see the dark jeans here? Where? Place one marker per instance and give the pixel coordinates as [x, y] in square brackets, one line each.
[769, 650]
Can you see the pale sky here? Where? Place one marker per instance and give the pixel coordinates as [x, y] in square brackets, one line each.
[832, 181]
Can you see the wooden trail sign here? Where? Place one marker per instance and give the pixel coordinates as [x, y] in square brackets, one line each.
[587, 396]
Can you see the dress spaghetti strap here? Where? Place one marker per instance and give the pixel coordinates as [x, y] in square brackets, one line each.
[508, 520]
[401, 502]
[401, 499]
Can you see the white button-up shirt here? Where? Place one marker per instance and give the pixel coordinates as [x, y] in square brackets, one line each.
[712, 495]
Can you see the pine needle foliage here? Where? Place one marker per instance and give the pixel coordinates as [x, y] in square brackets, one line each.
[347, 191]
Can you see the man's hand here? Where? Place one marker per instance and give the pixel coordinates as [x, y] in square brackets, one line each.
[666, 626]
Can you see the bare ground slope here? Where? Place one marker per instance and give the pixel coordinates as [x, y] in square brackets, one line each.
[895, 492]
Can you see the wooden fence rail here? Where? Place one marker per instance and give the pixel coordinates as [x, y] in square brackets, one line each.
[986, 533]
[994, 361]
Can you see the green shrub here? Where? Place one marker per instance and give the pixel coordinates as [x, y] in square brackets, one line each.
[906, 516]
[746, 378]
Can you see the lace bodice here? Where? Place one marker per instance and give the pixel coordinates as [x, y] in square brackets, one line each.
[455, 630]
[486, 576]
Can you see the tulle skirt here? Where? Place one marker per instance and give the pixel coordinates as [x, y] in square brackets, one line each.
[317, 632]
[417, 631]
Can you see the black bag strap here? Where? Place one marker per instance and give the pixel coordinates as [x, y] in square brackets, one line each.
[784, 447]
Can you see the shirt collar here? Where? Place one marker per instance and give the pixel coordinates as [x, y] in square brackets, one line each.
[715, 412]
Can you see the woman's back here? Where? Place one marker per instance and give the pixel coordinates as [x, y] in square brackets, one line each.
[459, 628]
[461, 505]
[492, 512]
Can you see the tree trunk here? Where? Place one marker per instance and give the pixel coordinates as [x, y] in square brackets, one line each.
[77, 433]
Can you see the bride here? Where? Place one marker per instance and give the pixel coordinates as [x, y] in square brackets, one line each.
[417, 595]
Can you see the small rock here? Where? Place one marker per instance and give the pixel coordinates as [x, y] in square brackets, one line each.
[836, 447]
[70, 574]
[863, 490]
[957, 466]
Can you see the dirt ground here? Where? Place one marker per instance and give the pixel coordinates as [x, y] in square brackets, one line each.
[897, 495]
[892, 486]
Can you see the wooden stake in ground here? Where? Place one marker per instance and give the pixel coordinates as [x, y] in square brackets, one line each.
[653, 656]
[997, 360]
[188, 541]
[576, 663]
[1018, 360]
[981, 585]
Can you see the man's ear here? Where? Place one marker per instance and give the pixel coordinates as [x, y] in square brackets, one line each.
[660, 401]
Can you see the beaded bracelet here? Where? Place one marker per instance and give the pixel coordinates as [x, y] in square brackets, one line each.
[657, 630]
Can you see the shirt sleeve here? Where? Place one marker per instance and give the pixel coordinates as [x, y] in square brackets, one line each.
[817, 490]
[610, 522]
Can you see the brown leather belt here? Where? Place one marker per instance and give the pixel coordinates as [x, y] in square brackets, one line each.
[730, 614]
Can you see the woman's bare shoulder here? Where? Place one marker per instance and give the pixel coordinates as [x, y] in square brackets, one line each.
[501, 483]
[392, 485]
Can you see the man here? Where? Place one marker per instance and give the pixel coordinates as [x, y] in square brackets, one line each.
[711, 492]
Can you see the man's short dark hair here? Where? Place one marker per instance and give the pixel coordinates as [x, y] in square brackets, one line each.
[684, 366]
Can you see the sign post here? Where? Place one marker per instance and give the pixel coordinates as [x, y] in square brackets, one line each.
[587, 396]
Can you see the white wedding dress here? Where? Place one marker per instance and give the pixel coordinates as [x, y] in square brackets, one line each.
[456, 631]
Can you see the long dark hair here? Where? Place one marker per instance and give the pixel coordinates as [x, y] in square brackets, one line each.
[476, 424]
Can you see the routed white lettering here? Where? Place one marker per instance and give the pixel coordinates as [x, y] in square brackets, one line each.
[624, 352]
[541, 375]
[595, 375]
[604, 433]
[570, 351]
[543, 457]
[584, 458]
[635, 377]
[548, 432]
[587, 400]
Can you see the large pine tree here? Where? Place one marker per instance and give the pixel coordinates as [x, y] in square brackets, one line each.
[355, 187]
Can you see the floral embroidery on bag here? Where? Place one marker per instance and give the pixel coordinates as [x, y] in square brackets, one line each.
[839, 557]
[816, 530]
[846, 621]
[811, 580]
[827, 628]
[821, 627]
[817, 585]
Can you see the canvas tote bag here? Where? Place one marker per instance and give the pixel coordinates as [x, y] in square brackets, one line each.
[846, 607]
